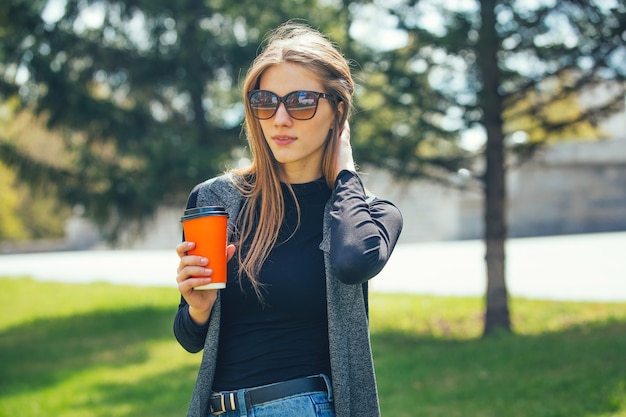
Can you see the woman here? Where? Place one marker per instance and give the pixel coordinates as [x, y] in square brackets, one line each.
[289, 334]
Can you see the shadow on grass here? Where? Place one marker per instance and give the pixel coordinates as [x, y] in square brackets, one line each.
[38, 355]
[577, 372]
[43, 351]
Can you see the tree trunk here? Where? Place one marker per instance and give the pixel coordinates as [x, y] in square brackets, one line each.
[497, 311]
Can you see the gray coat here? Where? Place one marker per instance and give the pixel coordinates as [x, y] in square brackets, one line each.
[353, 380]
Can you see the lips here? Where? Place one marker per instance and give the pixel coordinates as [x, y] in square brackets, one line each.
[282, 140]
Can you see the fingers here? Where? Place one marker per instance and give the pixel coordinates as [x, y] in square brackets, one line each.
[345, 159]
[186, 286]
[183, 247]
[230, 252]
[193, 270]
[192, 265]
[191, 277]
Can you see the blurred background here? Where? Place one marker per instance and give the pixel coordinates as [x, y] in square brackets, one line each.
[482, 120]
[112, 110]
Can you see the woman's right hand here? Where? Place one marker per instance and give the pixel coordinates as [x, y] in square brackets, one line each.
[194, 271]
[345, 160]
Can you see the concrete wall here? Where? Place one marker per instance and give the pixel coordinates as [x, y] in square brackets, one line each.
[570, 188]
[575, 187]
[431, 211]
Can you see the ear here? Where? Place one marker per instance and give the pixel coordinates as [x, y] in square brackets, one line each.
[340, 109]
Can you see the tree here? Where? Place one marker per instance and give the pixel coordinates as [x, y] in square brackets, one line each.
[28, 212]
[470, 65]
[497, 307]
[143, 94]
[402, 124]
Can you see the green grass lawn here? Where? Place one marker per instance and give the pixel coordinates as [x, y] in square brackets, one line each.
[102, 350]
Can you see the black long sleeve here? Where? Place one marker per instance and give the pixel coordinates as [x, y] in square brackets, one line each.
[189, 334]
[363, 233]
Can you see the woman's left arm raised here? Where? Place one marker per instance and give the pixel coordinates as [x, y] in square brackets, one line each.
[364, 229]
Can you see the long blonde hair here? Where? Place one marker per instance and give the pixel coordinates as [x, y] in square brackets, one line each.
[296, 43]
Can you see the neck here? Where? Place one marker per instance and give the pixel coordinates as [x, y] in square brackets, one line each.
[299, 176]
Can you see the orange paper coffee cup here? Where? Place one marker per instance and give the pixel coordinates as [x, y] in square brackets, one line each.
[207, 228]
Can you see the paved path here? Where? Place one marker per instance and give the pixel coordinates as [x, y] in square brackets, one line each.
[574, 267]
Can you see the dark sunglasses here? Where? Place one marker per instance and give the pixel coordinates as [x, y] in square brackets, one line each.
[300, 105]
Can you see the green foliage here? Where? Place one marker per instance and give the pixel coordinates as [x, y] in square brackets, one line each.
[418, 100]
[399, 124]
[27, 213]
[29, 207]
[103, 350]
[145, 93]
[576, 45]
[11, 226]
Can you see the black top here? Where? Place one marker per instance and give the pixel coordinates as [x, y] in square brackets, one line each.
[286, 335]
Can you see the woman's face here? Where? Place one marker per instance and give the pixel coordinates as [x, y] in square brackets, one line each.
[298, 145]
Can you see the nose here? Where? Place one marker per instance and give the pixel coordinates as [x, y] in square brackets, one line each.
[281, 117]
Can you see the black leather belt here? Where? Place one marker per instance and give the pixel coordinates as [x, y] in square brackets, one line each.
[227, 401]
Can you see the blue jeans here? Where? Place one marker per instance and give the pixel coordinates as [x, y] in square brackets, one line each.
[308, 404]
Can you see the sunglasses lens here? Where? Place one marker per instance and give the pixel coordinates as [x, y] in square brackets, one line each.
[301, 104]
[263, 104]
